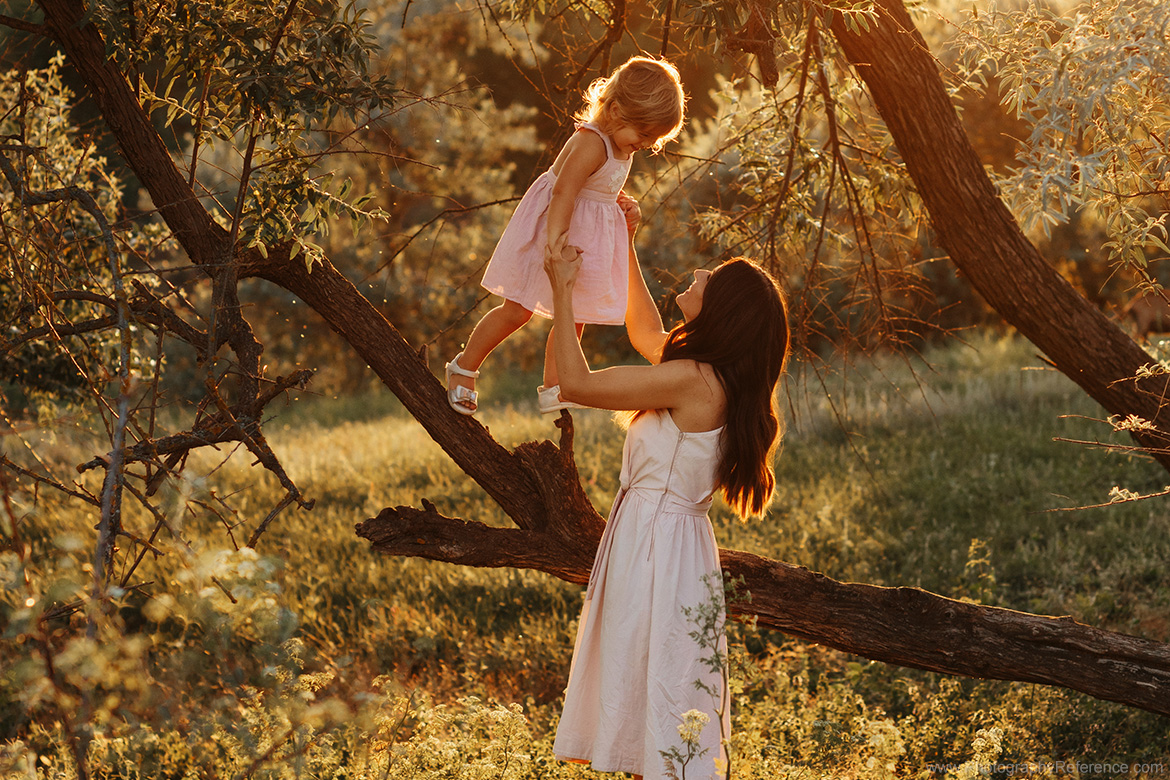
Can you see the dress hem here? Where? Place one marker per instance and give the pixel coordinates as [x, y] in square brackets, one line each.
[549, 316]
[600, 766]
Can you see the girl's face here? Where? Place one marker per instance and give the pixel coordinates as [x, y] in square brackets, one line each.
[632, 138]
[690, 300]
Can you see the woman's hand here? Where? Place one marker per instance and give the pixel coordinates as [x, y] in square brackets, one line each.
[630, 210]
[562, 262]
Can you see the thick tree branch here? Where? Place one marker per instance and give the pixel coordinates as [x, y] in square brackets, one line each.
[425, 533]
[500, 472]
[903, 626]
[73, 329]
[912, 627]
[982, 237]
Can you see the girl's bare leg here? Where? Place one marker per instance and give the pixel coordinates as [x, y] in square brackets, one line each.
[550, 361]
[497, 325]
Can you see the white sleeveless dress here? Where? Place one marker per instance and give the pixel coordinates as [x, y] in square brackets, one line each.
[598, 228]
[635, 665]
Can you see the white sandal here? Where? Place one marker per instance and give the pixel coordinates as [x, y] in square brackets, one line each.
[458, 394]
[548, 399]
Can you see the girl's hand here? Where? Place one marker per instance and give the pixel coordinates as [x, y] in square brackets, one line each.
[630, 210]
[562, 262]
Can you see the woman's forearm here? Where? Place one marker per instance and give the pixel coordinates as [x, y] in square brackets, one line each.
[643, 320]
[572, 368]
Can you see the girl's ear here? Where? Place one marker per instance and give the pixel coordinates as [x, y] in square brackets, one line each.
[611, 115]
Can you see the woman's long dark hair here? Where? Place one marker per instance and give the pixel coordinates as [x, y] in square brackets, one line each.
[742, 332]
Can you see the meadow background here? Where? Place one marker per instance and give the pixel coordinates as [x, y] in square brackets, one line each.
[314, 657]
[311, 656]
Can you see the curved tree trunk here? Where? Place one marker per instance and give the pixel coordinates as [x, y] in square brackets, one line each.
[537, 483]
[984, 241]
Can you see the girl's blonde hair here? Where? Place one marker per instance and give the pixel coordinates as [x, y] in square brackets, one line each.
[644, 92]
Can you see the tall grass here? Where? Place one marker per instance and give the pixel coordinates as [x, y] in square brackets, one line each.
[946, 477]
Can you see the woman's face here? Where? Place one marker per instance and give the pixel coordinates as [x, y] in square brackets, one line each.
[690, 300]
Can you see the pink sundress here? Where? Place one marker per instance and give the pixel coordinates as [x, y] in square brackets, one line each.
[516, 269]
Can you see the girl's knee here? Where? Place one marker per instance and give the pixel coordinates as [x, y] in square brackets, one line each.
[515, 313]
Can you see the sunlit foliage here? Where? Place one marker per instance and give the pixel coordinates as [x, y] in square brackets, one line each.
[55, 281]
[1091, 80]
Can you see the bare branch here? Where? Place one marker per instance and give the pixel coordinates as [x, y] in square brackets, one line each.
[7, 463]
[23, 26]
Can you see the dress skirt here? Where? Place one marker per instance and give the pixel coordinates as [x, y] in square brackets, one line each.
[635, 661]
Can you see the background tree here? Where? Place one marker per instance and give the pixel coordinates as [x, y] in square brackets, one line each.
[279, 100]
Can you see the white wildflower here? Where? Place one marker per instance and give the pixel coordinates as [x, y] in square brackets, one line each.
[692, 725]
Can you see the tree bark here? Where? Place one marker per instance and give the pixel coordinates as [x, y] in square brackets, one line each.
[537, 483]
[983, 238]
[904, 626]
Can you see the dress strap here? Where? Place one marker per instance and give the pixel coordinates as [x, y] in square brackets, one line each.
[604, 137]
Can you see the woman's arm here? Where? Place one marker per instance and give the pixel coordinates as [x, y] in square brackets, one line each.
[643, 320]
[669, 385]
[583, 154]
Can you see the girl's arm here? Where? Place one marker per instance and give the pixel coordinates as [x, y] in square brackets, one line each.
[671, 385]
[643, 320]
[583, 154]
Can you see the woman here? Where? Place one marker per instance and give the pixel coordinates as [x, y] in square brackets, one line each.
[703, 420]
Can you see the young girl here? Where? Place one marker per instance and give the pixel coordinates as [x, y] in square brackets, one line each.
[704, 420]
[639, 106]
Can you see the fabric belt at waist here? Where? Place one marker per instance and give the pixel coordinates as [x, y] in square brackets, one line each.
[663, 501]
[669, 503]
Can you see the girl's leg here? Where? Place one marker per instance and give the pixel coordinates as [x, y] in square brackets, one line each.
[550, 361]
[496, 325]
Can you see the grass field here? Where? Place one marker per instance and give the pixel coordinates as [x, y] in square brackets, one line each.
[329, 660]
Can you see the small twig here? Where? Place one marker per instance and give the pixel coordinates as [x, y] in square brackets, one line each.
[450, 210]
[1118, 502]
[86, 497]
[666, 22]
[260, 529]
[617, 24]
[197, 131]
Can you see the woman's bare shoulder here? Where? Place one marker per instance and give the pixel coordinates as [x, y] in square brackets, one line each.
[704, 405]
[708, 376]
